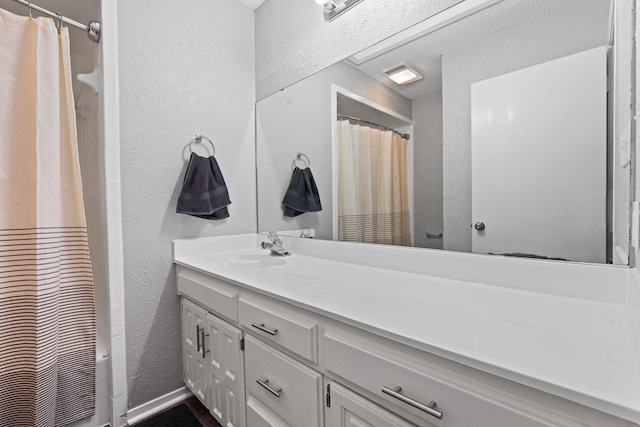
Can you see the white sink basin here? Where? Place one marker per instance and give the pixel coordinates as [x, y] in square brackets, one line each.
[265, 260]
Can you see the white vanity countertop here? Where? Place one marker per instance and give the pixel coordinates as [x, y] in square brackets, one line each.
[582, 349]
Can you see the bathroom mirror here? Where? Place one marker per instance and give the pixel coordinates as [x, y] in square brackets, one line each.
[516, 143]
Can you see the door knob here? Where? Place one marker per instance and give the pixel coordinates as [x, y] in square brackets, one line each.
[479, 226]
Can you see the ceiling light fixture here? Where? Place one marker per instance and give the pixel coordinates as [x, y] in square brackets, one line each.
[335, 8]
[402, 75]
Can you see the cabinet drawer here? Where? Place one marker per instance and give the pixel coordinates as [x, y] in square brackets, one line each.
[351, 410]
[259, 416]
[289, 389]
[276, 323]
[373, 367]
[212, 293]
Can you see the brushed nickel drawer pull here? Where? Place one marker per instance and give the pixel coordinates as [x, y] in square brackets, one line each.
[261, 327]
[204, 350]
[429, 409]
[264, 383]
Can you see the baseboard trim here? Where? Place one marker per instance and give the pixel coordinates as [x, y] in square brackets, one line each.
[159, 404]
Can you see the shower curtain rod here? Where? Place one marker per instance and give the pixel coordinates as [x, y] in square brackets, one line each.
[93, 29]
[402, 135]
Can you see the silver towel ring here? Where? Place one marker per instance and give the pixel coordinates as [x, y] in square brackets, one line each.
[198, 139]
[299, 157]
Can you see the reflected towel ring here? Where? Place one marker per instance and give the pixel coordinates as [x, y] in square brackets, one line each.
[299, 157]
[198, 139]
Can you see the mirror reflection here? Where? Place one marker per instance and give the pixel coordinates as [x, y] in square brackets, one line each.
[500, 140]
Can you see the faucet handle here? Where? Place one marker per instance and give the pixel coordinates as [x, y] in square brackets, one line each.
[275, 239]
[305, 234]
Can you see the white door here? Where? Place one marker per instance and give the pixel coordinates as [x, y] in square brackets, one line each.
[539, 160]
[193, 362]
[226, 372]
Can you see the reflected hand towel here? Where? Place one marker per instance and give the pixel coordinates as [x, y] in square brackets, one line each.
[204, 193]
[302, 195]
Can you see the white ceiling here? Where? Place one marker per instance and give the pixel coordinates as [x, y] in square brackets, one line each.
[254, 4]
[424, 54]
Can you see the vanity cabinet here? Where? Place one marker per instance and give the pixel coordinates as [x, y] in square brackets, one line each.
[258, 361]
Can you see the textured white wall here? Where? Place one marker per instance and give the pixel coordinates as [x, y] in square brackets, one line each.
[529, 43]
[183, 69]
[299, 119]
[294, 41]
[427, 158]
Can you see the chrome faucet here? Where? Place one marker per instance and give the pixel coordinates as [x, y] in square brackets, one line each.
[275, 246]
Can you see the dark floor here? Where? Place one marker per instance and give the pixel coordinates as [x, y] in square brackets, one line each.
[200, 412]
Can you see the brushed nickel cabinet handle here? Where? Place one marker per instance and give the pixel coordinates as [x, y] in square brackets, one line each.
[265, 383]
[260, 326]
[204, 351]
[429, 409]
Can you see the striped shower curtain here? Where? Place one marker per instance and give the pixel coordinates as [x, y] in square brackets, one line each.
[47, 314]
[373, 192]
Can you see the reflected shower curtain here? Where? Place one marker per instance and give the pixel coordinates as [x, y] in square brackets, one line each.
[373, 195]
[47, 314]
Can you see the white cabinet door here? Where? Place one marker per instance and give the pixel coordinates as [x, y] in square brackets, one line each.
[351, 410]
[193, 362]
[225, 372]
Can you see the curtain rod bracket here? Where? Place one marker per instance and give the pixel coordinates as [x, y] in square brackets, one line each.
[94, 31]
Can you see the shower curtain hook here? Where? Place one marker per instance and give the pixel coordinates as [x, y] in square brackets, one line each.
[30, 10]
[58, 22]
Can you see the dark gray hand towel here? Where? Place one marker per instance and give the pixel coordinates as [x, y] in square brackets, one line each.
[302, 195]
[204, 193]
